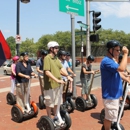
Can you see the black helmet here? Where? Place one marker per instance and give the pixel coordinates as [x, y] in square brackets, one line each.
[24, 53]
[90, 58]
[112, 44]
[67, 53]
[62, 52]
[44, 52]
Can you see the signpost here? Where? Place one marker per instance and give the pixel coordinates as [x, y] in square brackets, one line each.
[72, 7]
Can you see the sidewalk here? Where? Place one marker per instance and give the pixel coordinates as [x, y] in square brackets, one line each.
[88, 120]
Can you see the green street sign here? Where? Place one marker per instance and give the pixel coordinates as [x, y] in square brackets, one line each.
[72, 7]
[80, 33]
[83, 25]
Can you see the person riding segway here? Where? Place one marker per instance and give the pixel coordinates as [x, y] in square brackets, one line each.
[39, 68]
[23, 109]
[11, 99]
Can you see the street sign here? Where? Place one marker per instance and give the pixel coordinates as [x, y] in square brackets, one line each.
[83, 25]
[109, 0]
[80, 33]
[72, 7]
[18, 39]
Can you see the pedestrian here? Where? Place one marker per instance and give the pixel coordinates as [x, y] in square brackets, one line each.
[13, 73]
[111, 81]
[62, 58]
[39, 68]
[53, 82]
[85, 76]
[69, 60]
[23, 75]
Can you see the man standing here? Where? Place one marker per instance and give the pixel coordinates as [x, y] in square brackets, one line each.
[39, 68]
[111, 81]
[53, 82]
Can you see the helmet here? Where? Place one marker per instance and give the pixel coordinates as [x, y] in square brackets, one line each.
[44, 52]
[62, 52]
[52, 44]
[67, 53]
[113, 43]
[24, 53]
[90, 58]
[15, 58]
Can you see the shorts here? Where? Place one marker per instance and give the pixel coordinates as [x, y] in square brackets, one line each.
[85, 86]
[52, 96]
[111, 109]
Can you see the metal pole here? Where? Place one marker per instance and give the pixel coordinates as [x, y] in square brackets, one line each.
[73, 53]
[88, 47]
[17, 25]
[81, 47]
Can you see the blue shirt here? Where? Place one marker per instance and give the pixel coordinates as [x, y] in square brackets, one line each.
[39, 64]
[66, 66]
[111, 82]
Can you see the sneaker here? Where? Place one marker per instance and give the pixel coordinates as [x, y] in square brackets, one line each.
[58, 123]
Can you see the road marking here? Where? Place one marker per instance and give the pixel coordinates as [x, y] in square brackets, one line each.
[7, 89]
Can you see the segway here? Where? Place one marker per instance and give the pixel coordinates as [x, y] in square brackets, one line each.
[18, 115]
[41, 99]
[46, 123]
[69, 104]
[82, 104]
[11, 98]
[117, 125]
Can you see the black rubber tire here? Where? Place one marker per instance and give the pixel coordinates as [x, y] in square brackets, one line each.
[11, 98]
[41, 102]
[66, 117]
[114, 127]
[102, 115]
[94, 100]
[17, 114]
[128, 100]
[70, 105]
[80, 104]
[45, 123]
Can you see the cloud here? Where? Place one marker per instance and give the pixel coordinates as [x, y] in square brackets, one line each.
[7, 31]
[118, 9]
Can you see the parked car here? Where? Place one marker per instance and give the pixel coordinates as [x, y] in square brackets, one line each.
[77, 62]
[32, 61]
[7, 68]
[6, 62]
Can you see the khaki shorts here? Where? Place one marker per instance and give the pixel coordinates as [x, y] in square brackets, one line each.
[52, 96]
[111, 109]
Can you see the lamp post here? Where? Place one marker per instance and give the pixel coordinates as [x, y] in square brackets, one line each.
[80, 22]
[18, 23]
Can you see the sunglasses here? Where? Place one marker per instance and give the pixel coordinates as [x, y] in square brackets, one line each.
[117, 50]
[56, 47]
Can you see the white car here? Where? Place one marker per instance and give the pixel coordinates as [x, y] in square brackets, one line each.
[7, 68]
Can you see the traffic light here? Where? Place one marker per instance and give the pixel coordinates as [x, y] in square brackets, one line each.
[96, 20]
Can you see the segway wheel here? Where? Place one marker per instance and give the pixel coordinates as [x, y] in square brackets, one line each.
[94, 100]
[70, 105]
[102, 115]
[17, 114]
[41, 102]
[66, 117]
[114, 127]
[11, 99]
[45, 123]
[128, 100]
[80, 104]
[35, 108]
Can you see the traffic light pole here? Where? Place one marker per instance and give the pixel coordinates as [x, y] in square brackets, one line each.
[88, 47]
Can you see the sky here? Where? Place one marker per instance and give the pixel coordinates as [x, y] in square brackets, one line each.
[41, 17]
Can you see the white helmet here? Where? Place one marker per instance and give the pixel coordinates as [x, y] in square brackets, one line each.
[52, 44]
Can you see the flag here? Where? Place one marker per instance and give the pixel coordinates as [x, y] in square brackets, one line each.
[5, 46]
[2, 55]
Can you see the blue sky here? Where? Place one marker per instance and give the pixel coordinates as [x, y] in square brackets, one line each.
[40, 17]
